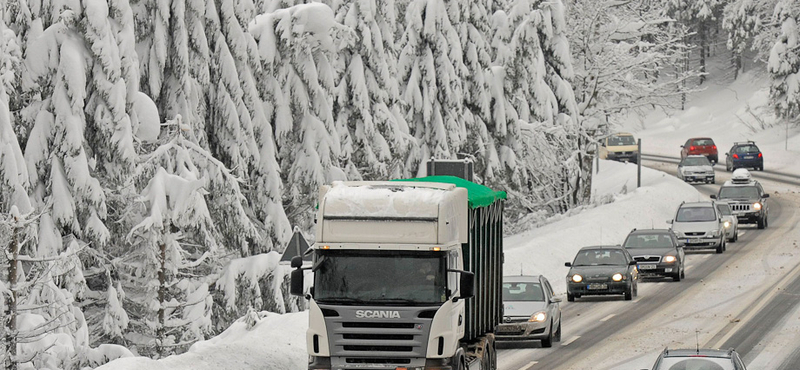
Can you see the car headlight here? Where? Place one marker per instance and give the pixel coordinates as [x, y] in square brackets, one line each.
[617, 277]
[679, 234]
[670, 259]
[757, 206]
[538, 317]
[577, 278]
[714, 233]
[727, 224]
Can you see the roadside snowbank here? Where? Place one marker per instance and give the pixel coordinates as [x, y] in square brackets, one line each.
[277, 342]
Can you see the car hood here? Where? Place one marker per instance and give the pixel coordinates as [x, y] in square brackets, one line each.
[623, 148]
[649, 251]
[597, 271]
[691, 227]
[698, 168]
[520, 308]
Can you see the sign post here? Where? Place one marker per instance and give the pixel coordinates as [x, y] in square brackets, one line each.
[639, 164]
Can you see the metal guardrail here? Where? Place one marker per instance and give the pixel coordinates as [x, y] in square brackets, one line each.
[777, 176]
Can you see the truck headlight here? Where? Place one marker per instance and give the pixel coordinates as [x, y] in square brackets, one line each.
[670, 259]
[577, 278]
[727, 224]
[538, 317]
[617, 277]
[757, 206]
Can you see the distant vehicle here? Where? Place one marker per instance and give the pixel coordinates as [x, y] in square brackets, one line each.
[696, 168]
[700, 226]
[531, 311]
[747, 199]
[700, 146]
[657, 253]
[699, 359]
[602, 270]
[620, 147]
[729, 221]
[744, 155]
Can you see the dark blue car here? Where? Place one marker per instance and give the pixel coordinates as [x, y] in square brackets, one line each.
[744, 155]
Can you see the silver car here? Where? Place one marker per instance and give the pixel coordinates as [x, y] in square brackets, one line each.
[700, 226]
[701, 359]
[531, 311]
[729, 221]
[696, 168]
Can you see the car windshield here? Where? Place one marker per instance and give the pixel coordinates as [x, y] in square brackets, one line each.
[696, 161]
[696, 214]
[621, 140]
[724, 209]
[732, 192]
[384, 277]
[695, 363]
[600, 257]
[523, 291]
[746, 149]
[649, 241]
[703, 142]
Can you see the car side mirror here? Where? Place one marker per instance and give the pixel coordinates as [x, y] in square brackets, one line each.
[568, 264]
[555, 300]
[726, 153]
[713, 196]
[669, 221]
[766, 195]
[632, 263]
[296, 287]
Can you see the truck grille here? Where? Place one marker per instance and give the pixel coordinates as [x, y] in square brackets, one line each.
[647, 258]
[740, 207]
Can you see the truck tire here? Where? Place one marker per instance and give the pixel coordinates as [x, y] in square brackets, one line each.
[548, 342]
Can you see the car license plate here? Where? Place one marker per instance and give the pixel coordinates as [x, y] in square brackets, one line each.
[748, 157]
[508, 328]
[597, 286]
[693, 241]
[647, 267]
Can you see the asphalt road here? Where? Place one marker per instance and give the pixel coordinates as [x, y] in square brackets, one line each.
[594, 320]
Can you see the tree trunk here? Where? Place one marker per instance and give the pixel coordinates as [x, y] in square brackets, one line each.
[703, 42]
[11, 309]
[162, 295]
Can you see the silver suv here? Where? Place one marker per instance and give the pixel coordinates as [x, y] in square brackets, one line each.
[700, 226]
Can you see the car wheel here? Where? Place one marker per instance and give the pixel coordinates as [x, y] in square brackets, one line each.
[678, 275]
[570, 297]
[683, 272]
[720, 246]
[728, 166]
[761, 223]
[629, 293]
[548, 342]
[558, 333]
[736, 235]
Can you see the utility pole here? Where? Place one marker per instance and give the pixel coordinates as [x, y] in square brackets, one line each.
[639, 164]
[11, 306]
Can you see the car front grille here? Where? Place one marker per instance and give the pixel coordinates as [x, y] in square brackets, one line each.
[740, 207]
[647, 258]
[699, 233]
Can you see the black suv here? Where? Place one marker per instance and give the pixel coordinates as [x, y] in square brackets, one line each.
[657, 253]
[746, 198]
[744, 155]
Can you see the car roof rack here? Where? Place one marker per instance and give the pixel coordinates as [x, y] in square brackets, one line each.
[748, 142]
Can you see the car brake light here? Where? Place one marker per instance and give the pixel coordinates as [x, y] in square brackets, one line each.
[691, 147]
[714, 147]
[759, 155]
[736, 156]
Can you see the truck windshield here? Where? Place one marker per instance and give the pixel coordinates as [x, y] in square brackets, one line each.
[747, 192]
[380, 277]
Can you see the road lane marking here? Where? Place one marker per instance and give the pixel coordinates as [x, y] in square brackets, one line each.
[570, 340]
[528, 366]
[608, 317]
[741, 233]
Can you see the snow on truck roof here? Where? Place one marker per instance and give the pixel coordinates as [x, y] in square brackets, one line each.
[477, 194]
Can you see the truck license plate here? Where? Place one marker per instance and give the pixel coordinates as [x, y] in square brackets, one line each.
[597, 286]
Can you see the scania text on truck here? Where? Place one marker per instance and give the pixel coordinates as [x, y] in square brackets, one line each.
[406, 274]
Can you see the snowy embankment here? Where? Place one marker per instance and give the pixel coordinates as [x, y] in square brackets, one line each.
[727, 113]
[277, 342]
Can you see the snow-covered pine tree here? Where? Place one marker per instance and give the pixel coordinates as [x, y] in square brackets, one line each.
[366, 105]
[741, 21]
[429, 67]
[295, 45]
[784, 61]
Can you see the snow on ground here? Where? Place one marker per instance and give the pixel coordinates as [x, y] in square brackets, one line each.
[277, 342]
[727, 112]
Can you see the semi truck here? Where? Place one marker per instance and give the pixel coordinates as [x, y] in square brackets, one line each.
[405, 275]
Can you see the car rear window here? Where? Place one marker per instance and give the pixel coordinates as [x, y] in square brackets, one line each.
[695, 363]
[696, 214]
[703, 142]
[523, 291]
[745, 149]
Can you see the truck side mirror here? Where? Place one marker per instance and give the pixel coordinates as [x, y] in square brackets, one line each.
[467, 284]
[297, 262]
[296, 287]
